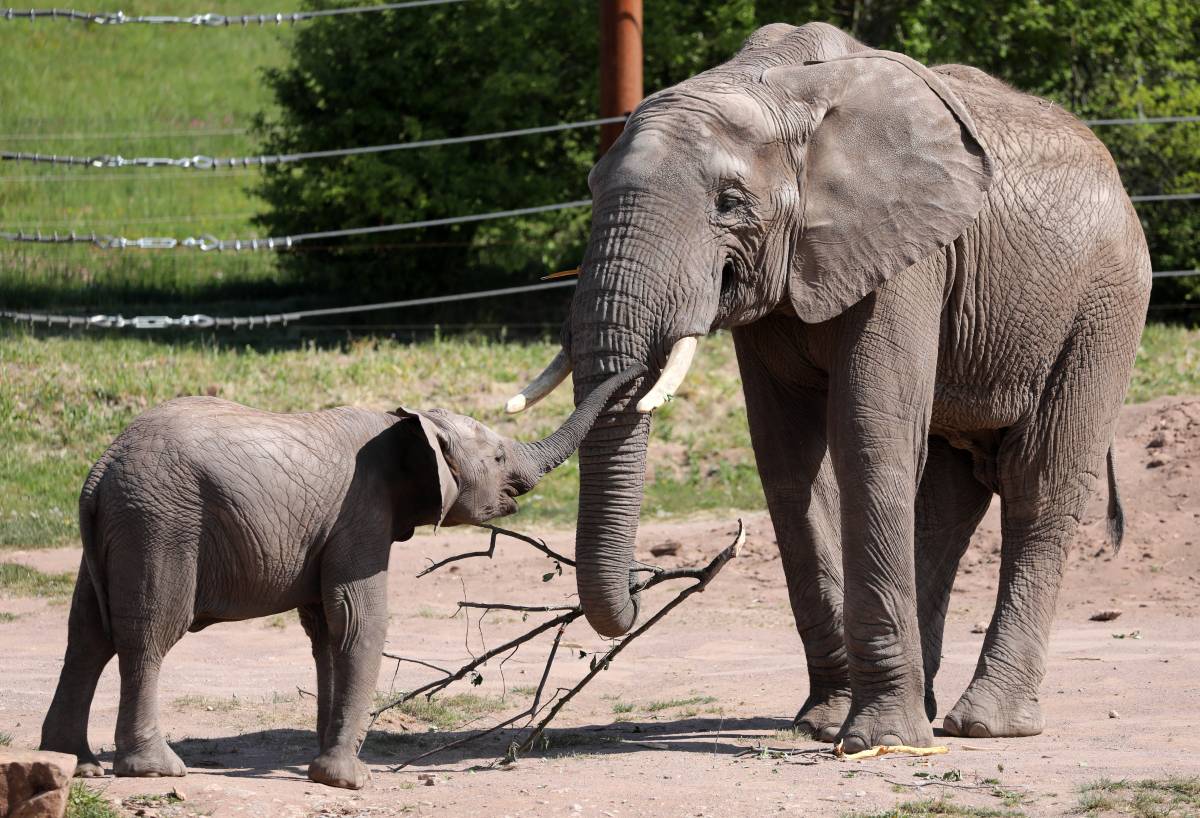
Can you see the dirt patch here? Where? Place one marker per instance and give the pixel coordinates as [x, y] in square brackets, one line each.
[695, 718]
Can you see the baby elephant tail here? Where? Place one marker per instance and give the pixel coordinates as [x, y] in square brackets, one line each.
[88, 500]
[1116, 514]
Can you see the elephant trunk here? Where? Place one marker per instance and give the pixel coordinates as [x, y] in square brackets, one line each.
[612, 474]
[637, 297]
[538, 458]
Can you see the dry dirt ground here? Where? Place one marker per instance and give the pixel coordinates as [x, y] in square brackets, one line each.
[665, 730]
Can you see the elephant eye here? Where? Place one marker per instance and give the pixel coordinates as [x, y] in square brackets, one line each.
[729, 200]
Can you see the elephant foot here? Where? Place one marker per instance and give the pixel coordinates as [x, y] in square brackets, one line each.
[156, 761]
[338, 769]
[983, 713]
[86, 764]
[888, 723]
[88, 767]
[822, 714]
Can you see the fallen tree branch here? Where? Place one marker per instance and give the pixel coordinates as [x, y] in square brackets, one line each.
[600, 661]
[703, 577]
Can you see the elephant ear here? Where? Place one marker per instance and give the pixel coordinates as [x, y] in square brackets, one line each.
[447, 485]
[892, 170]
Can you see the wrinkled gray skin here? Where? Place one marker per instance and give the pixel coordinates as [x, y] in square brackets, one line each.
[936, 286]
[207, 511]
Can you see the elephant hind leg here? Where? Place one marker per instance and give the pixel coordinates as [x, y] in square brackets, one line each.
[950, 504]
[1047, 470]
[89, 650]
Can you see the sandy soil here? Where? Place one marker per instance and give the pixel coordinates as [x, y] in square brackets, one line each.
[1122, 698]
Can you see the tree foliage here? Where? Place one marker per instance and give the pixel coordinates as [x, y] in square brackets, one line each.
[500, 64]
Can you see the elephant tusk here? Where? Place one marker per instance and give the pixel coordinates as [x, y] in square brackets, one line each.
[542, 385]
[679, 361]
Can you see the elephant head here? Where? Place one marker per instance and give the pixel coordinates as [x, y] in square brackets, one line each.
[480, 473]
[796, 178]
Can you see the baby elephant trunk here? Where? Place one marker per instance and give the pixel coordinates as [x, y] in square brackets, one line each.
[535, 459]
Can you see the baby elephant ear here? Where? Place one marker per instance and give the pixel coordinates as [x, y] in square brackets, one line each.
[447, 485]
[893, 169]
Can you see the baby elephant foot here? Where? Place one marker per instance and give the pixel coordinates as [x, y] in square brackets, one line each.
[984, 713]
[88, 767]
[822, 714]
[887, 723]
[157, 760]
[338, 769]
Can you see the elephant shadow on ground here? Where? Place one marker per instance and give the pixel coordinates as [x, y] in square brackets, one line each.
[286, 752]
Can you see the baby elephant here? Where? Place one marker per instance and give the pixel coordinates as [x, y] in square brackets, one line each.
[207, 511]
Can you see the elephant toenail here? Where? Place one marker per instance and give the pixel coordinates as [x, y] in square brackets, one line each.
[979, 730]
[890, 740]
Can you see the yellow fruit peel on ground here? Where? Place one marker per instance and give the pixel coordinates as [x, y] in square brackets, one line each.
[882, 750]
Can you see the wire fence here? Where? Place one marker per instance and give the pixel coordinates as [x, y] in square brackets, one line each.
[209, 19]
[217, 167]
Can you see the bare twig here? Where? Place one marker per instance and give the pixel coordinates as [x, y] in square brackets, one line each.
[539, 544]
[504, 606]
[417, 662]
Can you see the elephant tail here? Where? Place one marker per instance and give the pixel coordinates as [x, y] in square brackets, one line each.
[88, 500]
[1116, 514]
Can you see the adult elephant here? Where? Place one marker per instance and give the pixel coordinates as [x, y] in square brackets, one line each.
[936, 286]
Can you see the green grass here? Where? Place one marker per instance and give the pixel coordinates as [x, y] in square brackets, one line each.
[1168, 363]
[63, 400]
[671, 704]
[1173, 797]
[87, 90]
[5, 739]
[85, 802]
[446, 712]
[929, 808]
[5, 617]
[660, 705]
[21, 580]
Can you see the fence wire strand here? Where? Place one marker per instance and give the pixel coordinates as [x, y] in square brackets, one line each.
[202, 162]
[209, 19]
[209, 243]
[201, 321]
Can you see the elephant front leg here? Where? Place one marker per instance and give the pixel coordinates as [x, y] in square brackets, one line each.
[787, 428]
[312, 617]
[356, 613]
[881, 397]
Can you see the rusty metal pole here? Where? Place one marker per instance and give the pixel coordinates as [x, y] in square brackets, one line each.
[620, 64]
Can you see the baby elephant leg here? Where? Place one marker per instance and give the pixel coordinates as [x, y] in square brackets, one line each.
[89, 649]
[356, 613]
[312, 617]
[141, 748]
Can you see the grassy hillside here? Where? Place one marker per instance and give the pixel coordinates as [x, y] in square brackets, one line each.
[75, 88]
[62, 400]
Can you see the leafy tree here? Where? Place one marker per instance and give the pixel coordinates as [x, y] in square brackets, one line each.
[501, 64]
